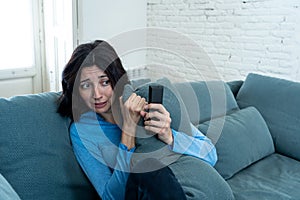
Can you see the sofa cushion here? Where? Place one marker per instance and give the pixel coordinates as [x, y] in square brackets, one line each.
[244, 139]
[6, 191]
[206, 100]
[278, 101]
[35, 150]
[274, 177]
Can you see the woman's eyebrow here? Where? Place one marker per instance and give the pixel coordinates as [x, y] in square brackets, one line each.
[84, 80]
[102, 76]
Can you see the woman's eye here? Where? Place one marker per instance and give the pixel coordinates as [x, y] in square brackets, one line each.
[105, 82]
[85, 85]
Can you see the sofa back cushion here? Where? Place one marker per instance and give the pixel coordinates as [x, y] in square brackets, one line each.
[206, 100]
[278, 101]
[35, 150]
[244, 139]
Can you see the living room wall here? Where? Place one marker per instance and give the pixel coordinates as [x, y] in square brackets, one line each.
[239, 37]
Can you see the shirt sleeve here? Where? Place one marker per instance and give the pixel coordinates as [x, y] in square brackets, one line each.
[197, 145]
[109, 183]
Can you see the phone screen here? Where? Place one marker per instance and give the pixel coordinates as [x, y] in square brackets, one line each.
[156, 94]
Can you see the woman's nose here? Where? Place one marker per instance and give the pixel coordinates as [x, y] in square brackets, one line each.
[97, 93]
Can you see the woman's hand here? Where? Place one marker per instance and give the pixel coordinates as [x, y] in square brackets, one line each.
[131, 111]
[158, 121]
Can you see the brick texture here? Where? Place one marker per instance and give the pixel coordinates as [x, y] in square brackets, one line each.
[232, 37]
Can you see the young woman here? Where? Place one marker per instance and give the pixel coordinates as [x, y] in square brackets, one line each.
[103, 127]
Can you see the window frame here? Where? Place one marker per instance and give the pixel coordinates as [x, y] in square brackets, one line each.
[34, 72]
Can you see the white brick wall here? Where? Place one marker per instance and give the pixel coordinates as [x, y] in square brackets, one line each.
[239, 37]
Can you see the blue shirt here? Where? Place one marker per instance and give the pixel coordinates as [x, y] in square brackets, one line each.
[106, 161]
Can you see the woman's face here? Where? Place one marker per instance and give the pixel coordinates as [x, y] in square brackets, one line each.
[96, 90]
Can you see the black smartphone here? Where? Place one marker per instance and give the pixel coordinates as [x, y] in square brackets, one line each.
[156, 94]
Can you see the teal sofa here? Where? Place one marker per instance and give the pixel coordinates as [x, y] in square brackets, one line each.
[254, 123]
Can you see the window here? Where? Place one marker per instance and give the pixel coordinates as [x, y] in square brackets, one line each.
[36, 40]
[17, 34]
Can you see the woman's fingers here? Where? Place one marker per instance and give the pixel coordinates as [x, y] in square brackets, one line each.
[131, 111]
[139, 103]
[163, 121]
[158, 107]
[155, 123]
[157, 111]
[135, 105]
[161, 128]
[157, 120]
[156, 130]
[154, 115]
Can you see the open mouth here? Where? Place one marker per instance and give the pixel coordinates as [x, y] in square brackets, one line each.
[100, 105]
